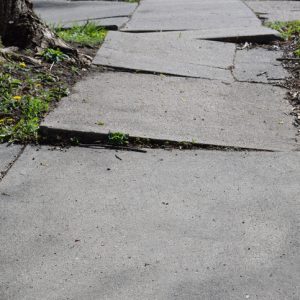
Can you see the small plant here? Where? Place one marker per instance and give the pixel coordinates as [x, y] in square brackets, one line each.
[89, 34]
[54, 55]
[100, 123]
[297, 52]
[118, 138]
[74, 141]
[286, 29]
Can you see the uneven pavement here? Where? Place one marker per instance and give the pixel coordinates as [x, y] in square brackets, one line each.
[83, 223]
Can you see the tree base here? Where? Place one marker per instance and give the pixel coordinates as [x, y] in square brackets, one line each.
[20, 27]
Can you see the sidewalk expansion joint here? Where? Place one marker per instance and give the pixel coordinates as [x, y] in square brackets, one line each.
[4, 173]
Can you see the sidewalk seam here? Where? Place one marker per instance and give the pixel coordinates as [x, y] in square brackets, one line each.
[11, 164]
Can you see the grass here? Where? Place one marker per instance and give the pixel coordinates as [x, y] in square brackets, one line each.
[288, 31]
[89, 34]
[118, 138]
[27, 92]
[54, 55]
[25, 96]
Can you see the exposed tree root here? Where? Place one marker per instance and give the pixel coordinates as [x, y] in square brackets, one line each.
[21, 27]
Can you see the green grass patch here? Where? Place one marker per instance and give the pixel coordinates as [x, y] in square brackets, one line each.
[25, 96]
[54, 55]
[89, 34]
[288, 31]
[118, 138]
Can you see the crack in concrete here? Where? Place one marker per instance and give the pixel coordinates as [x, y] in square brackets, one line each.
[130, 16]
[5, 172]
[252, 81]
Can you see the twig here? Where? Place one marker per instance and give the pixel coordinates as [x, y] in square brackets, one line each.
[115, 147]
[291, 59]
[51, 66]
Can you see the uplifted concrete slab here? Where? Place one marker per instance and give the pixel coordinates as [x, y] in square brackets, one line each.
[168, 55]
[263, 34]
[259, 65]
[65, 13]
[7, 156]
[157, 15]
[83, 224]
[178, 109]
[276, 10]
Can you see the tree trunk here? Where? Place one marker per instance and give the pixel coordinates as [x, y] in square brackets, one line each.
[19, 26]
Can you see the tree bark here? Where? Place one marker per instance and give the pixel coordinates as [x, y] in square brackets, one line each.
[20, 26]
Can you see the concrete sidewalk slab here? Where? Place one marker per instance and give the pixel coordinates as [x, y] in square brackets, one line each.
[259, 65]
[66, 13]
[167, 54]
[162, 225]
[157, 15]
[7, 156]
[178, 109]
[276, 10]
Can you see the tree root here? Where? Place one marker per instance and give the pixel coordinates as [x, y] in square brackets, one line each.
[24, 29]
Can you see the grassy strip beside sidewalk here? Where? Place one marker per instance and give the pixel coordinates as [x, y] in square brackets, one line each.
[28, 90]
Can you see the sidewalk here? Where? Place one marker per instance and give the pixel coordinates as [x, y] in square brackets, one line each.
[216, 222]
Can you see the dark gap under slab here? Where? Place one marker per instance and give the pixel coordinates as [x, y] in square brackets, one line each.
[54, 136]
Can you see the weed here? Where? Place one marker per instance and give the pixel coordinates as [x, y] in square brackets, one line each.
[118, 138]
[89, 34]
[74, 141]
[54, 55]
[286, 29]
[297, 52]
[100, 123]
[23, 102]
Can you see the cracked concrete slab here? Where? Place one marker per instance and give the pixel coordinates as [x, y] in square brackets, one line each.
[259, 65]
[8, 154]
[65, 13]
[180, 225]
[276, 10]
[178, 109]
[167, 54]
[157, 15]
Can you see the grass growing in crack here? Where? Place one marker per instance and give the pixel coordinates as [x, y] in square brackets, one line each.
[89, 34]
[25, 97]
[118, 138]
[289, 31]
